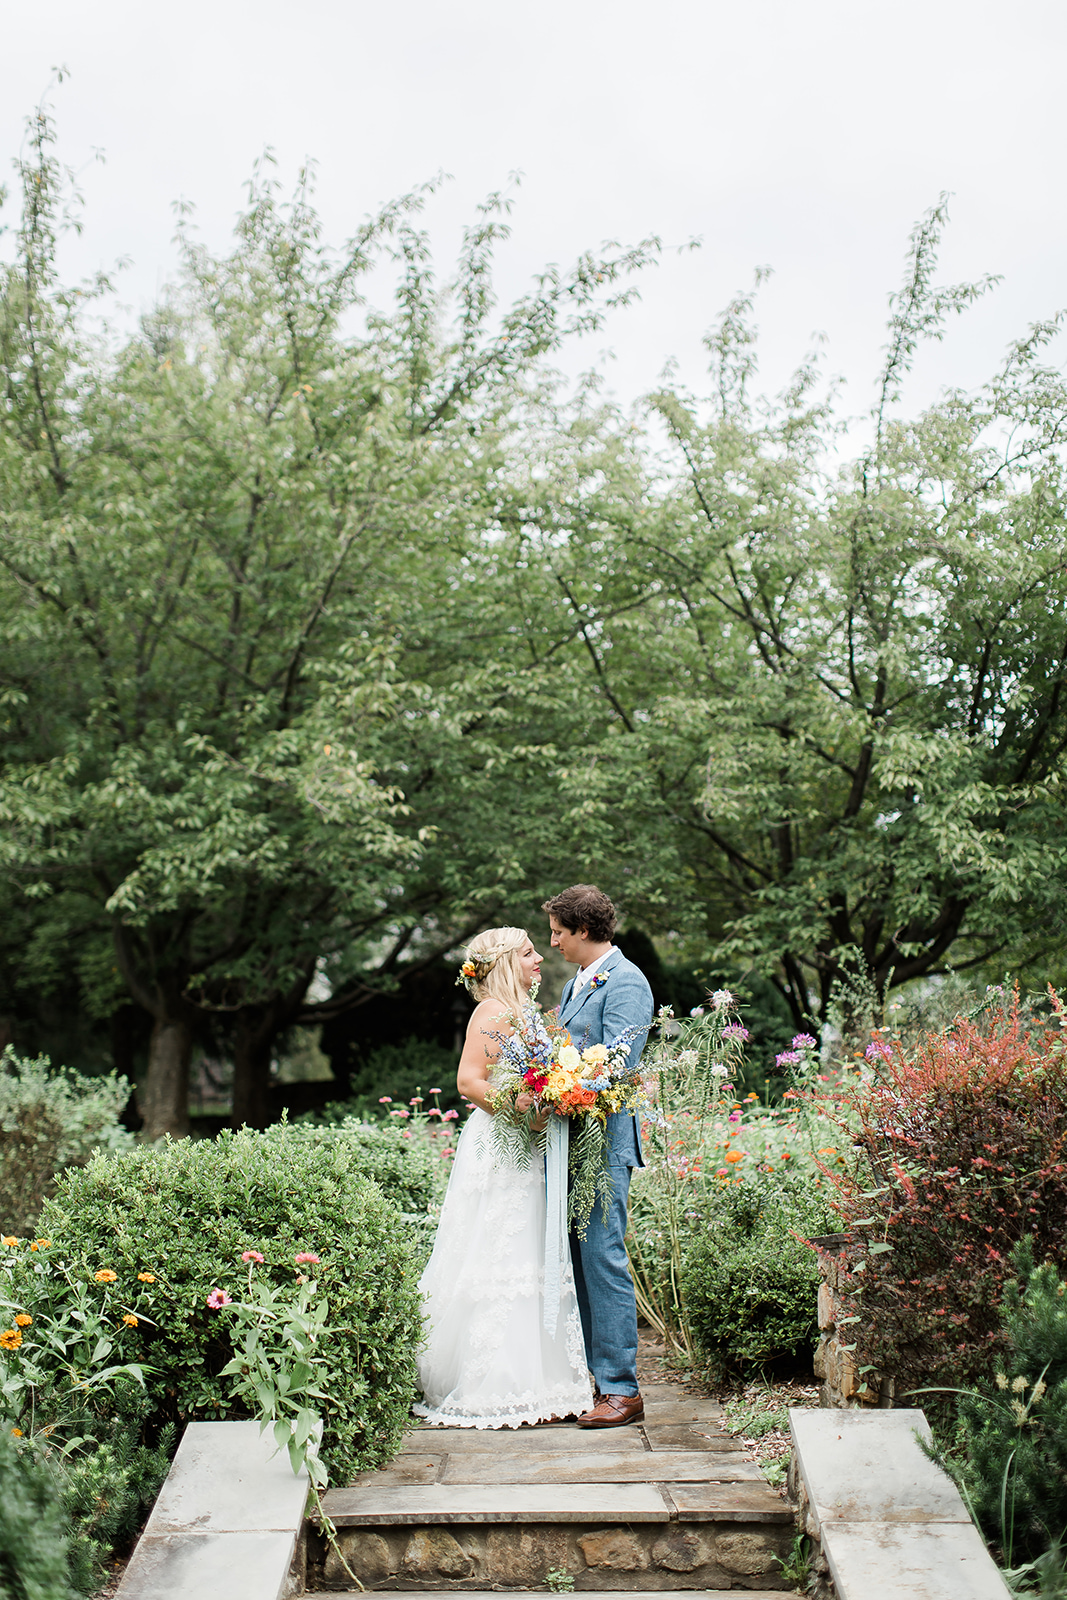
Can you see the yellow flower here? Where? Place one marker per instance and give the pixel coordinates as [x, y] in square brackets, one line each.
[147, 1277]
[105, 1275]
[10, 1339]
[596, 1055]
[569, 1059]
[41, 1244]
[22, 1320]
[9, 1239]
[130, 1320]
[17, 1433]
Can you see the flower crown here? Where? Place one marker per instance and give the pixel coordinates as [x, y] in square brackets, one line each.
[475, 970]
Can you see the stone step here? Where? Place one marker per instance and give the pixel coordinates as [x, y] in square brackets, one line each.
[605, 1594]
[554, 1466]
[666, 1505]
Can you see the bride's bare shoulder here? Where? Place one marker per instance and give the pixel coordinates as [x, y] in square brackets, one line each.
[491, 1010]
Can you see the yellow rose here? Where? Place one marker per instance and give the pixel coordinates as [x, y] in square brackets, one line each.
[569, 1058]
[596, 1055]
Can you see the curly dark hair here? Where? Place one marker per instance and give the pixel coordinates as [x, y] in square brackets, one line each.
[584, 906]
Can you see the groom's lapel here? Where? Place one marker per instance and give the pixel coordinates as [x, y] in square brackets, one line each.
[587, 989]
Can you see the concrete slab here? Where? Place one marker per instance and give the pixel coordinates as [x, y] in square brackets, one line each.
[188, 1566]
[599, 1466]
[225, 1478]
[687, 1436]
[895, 1561]
[461, 1502]
[867, 1467]
[728, 1502]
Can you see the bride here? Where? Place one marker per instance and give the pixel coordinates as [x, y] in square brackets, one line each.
[488, 1361]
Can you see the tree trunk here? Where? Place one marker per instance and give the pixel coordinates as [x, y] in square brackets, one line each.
[166, 1090]
[253, 1041]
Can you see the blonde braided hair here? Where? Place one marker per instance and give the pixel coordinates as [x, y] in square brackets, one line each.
[491, 970]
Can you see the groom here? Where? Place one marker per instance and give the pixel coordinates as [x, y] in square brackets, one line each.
[607, 995]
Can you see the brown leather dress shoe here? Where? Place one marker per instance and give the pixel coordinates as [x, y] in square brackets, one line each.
[613, 1411]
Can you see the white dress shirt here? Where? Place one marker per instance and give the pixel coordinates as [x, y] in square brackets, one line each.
[583, 975]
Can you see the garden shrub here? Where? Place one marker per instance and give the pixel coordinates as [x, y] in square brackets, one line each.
[407, 1169]
[33, 1527]
[171, 1222]
[749, 1279]
[962, 1151]
[50, 1119]
[1008, 1450]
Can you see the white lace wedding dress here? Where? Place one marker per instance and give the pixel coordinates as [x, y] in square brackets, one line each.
[488, 1361]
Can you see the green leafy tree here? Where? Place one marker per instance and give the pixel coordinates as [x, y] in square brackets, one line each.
[218, 540]
[843, 704]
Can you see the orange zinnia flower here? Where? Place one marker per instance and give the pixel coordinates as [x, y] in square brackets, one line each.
[105, 1275]
[735, 1155]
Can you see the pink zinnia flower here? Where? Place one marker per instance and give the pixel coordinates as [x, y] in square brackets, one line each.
[252, 1255]
[447, 1152]
[217, 1299]
[307, 1255]
[435, 1091]
[449, 1116]
[385, 1099]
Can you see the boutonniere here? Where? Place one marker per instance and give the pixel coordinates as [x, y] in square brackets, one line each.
[598, 980]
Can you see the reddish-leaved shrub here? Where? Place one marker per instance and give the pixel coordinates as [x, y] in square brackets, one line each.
[962, 1150]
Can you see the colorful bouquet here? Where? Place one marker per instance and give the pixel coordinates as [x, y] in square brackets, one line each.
[586, 1086]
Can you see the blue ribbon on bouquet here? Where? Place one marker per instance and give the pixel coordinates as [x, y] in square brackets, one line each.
[555, 1216]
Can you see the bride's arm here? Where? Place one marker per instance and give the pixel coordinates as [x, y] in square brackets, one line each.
[480, 1052]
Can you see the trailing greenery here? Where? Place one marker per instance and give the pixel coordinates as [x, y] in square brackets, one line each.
[50, 1119]
[181, 1216]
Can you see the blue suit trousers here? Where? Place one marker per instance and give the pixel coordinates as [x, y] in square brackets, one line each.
[606, 1293]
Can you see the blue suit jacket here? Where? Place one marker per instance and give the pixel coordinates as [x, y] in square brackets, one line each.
[599, 1016]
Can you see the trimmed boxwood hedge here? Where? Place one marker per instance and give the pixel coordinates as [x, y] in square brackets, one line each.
[184, 1212]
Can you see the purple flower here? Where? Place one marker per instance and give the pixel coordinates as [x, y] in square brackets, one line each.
[736, 1030]
[787, 1058]
[878, 1050]
[217, 1299]
[803, 1041]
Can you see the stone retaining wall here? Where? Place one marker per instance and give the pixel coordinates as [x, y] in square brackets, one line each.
[841, 1384]
[647, 1556]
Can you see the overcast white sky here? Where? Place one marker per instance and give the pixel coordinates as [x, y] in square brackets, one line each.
[805, 136]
